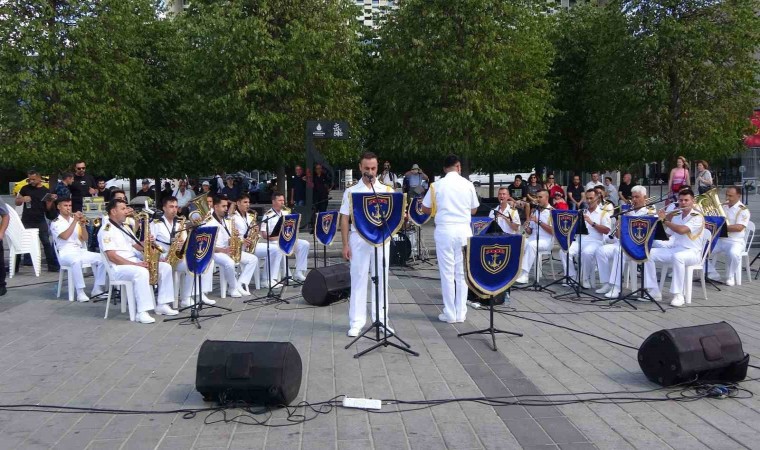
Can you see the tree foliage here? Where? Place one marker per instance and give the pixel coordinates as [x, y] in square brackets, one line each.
[466, 77]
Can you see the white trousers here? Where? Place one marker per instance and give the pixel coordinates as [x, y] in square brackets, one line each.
[612, 276]
[302, 256]
[275, 258]
[188, 281]
[604, 256]
[139, 277]
[248, 264]
[531, 250]
[588, 258]
[679, 258]
[362, 267]
[733, 251]
[449, 240]
[75, 259]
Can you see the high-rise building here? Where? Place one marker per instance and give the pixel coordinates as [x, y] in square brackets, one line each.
[372, 8]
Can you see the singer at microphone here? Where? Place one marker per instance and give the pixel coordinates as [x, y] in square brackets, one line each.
[504, 214]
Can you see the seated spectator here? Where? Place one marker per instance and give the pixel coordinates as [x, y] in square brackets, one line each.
[559, 201]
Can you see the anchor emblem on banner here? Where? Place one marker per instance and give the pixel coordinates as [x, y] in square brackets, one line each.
[378, 208]
[494, 257]
[639, 230]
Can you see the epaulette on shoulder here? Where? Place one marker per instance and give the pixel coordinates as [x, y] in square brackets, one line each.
[743, 207]
[695, 214]
[107, 227]
[156, 220]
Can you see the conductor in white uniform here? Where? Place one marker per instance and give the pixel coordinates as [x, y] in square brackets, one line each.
[456, 200]
[361, 253]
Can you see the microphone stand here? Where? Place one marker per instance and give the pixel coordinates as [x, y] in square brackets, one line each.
[536, 286]
[270, 292]
[382, 341]
[620, 296]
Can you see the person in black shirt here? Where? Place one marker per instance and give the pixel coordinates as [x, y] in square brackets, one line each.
[625, 189]
[36, 206]
[83, 186]
[575, 192]
[517, 189]
[230, 191]
[102, 191]
[298, 188]
[322, 186]
[146, 190]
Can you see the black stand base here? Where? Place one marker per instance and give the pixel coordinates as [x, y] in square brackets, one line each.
[491, 330]
[381, 337]
[196, 309]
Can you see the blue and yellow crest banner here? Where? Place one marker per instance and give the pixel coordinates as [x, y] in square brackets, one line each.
[327, 224]
[637, 235]
[565, 226]
[415, 212]
[492, 263]
[289, 233]
[714, 224]
[200, 249]
[480, 225]
[371, 213]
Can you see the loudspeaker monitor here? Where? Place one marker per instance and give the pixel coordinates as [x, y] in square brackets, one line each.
[265, 373]
[711, 352]
[326, 285]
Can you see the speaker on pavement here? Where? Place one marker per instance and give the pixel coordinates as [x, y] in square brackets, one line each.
[264, 373]
[326, 285]
[711, 352]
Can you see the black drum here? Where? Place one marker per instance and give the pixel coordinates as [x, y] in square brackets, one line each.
[401, 249]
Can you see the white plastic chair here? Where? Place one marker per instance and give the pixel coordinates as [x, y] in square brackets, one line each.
[70, 276]
[540, 257]
[749, 237]
[705, 240]
[22, 241]
[127, 290]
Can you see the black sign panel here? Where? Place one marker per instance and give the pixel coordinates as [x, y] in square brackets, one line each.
[327, 129]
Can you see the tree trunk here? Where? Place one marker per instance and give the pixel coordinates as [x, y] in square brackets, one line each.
[490, 185]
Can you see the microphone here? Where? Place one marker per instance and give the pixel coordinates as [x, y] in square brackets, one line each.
[369, 176]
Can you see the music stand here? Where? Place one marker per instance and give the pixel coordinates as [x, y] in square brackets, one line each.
[381, 340]
[723, 233]
[418, 223]
[576, 286]
[270, 292]
[536, 286]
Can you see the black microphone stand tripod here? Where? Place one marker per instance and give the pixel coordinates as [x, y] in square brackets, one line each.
[270, 292]
[620, 297]
[380, 339]
[536, 286]
[576, 286]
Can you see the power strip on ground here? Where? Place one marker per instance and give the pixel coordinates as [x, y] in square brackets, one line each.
[362, 403]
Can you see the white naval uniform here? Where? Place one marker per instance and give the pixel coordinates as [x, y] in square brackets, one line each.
[685, 249]
[454, 197]
[504, 223]
[363, 263]
[117, 239]
[275, 254]
[733, 245]
[248, 262]
[301, 247]
[162, 230]
[72, 254]
[590, 242]
[541, 241]
[608, 258]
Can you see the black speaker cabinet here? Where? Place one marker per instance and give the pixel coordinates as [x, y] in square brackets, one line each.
[326, 285]
[264, 373]
[711, 352]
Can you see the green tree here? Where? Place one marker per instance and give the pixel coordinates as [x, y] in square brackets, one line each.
[466, 77]
[255, 71]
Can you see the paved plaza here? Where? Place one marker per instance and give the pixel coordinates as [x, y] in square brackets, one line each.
[61, 353]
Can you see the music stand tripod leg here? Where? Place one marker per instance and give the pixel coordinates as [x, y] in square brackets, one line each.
[493, 331]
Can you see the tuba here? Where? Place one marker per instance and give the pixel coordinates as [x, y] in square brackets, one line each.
[236, 244]
[178, 246]
[253, 231]
[199, 211]
[151, 253]
[709, 203]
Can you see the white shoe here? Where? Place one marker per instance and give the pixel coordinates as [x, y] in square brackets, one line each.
[82, 297]
[730, 281]
[353, 332]
[235, 293]
[444, 318]
[144, 317]
[165, 310]
[473, 305]
[586, 284]
[656, 295]
[523, 279]
[714, 276]
[244, 289]
[604, 289]
[677, 300]
[186, 302]
[97, 290]
[208, 301]
[299, 276]
[613, 293]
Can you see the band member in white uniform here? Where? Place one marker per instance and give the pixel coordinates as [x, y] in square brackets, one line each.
[301, 247]
[598, 224]
[456, 201]
[539, 240]
[122, 248]
[237, 287]
[505, 215]
[361, 254]
[737, 218]
[247, 227]
[608, 256]
[69, 236]
[686, 248]
[165, 231]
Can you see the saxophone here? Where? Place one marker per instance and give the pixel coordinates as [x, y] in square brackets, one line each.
[177, 247]
[151, 254]
[253, 232]
[236, 244]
